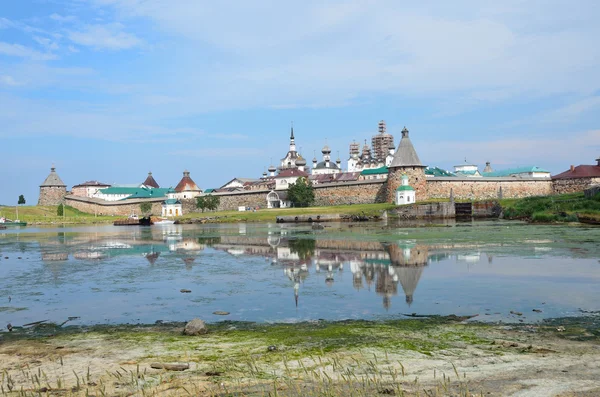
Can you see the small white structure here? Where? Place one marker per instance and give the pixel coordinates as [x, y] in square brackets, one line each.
[405, 194]
[278, 199]
[172, 207]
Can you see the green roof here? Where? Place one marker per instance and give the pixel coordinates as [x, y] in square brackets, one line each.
[436, 171]
[172, 201]
[209, 190]
[402, 188]
[149, 193]
[119, 190]
[375, 171]
[136, 192]
[513, 171]
[474, 172]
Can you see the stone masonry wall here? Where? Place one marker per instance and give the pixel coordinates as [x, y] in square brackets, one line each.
[370, 192]
[114, 208]
[416, 179]
[52, 195]
[231, 201]
[562, 186]
[486, 188]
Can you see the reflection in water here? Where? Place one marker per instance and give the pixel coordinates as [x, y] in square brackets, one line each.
[339, 271]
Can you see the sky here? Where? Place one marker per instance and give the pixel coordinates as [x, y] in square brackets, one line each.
[111, 89]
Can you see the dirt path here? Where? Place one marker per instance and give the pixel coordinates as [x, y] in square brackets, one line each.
[432, 358]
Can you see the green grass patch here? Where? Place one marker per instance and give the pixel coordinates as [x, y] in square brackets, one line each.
[39, 214]
[559, 208]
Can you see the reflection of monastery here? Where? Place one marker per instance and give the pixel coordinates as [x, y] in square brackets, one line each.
[373, 266]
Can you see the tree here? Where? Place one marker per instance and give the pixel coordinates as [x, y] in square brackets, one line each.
[21, 200]
[213, 202]
[208, 202]
[301, 193]
[146, 208]
[60, 211]
[201, 202]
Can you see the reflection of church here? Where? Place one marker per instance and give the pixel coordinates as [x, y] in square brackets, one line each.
[383, 266]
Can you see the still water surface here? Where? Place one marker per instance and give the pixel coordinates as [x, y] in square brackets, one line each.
[288, 273]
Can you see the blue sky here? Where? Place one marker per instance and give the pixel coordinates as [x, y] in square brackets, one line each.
[111, 89]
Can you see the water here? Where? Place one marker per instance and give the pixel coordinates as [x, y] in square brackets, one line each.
[289, 273]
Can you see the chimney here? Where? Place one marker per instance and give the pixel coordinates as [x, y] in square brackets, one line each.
[572, 168]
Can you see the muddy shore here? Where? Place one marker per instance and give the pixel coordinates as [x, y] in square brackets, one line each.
[427, 356]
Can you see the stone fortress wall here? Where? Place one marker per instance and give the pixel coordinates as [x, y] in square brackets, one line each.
[362, 192]
[52, 195]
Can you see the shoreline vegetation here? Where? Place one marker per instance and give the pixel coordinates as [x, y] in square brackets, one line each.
[573, 207]
[412, 356]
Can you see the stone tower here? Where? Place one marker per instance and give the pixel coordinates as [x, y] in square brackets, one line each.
[53, 190]
[406, 162]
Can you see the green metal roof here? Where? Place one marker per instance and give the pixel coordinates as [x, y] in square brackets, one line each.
[404, 188]
[436, 171]
[172, 201]
[375, 171]
[136, 192]
[474, 172]
[513, 171]
[149, 193]
[209, 190]
[119, 190]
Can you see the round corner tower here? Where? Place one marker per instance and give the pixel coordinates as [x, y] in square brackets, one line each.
[406, 162]
[53, 190]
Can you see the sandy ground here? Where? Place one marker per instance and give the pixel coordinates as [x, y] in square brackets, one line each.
[504, 361]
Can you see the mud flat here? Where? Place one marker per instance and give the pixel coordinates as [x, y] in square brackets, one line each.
[433, 356]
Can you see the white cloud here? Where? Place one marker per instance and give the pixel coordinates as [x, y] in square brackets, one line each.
[281, 54]
[8, 80]
[62, 19]
[108, 36]
[18, 50]
[46, 43]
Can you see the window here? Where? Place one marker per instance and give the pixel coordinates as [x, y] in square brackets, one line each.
[171, 211]
[408, 199]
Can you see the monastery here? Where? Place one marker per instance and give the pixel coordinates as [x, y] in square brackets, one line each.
[382, 172]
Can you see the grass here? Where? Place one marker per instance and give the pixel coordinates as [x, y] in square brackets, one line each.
[560, 208]
[269, 215]
[47, 215]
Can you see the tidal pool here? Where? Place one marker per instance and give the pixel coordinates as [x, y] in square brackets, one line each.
[498, 270]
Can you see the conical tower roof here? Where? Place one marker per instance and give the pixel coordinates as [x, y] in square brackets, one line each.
[186, 183]
[53, 179]
[406, 155]
[150, 181]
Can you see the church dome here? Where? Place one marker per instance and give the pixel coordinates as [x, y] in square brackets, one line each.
[272, 168]
[301, 161]
[326, 150]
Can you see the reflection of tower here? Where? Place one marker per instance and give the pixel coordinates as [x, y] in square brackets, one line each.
[409, 278]
[408, 260]
[296, 274]
[152, 257]
[386, 285]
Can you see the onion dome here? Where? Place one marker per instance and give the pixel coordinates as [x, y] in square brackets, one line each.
[315, 160]
[301, 162]
[326, 150]
[272, 168]
[264, 174]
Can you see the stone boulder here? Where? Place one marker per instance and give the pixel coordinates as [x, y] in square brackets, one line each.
[195, 327]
